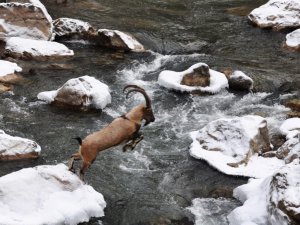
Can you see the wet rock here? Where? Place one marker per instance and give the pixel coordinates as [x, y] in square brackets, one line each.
[198, 78]
[48, 195]
[293, 40]
[67, 28]
[12, 148]
[84, 93]
[25, 20]
[28, 49]
[239, 11]
[294, 104]
[238, 80]
[277, 14]
[118, 40]
[270, 200]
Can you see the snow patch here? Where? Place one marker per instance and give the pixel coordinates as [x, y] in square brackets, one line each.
[293, 39]
[8, 68]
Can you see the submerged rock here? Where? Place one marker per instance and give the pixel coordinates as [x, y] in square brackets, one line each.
[25, 20]
[234, 146]
[271, 200]
[198, 78]
[84, 92]
[47, 195]
[293, 40]
[12, 148]
[28, 49]
[277, 14]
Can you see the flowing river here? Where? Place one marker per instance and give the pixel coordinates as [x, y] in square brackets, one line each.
[155, 183]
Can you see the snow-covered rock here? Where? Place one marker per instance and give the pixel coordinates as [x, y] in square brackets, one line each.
[84, 92]
[35, 49]
[277, 14]
[226, 143]
[272, 200]
[72, 28]
[118, 40]
[290, 150]
[293, 40]
[26, 20]
[47, 195]
[172, 80]
[12, 148]
[240, 81]
[8, 68]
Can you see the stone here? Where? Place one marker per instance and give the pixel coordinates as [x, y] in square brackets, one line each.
[240, 81]
[277, 14]
[83, 93]
[199, 77]
[293, 41]
[12, 148]
[5, 88]
[25, 20]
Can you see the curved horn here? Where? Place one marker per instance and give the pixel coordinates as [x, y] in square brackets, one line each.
[143, 92]
[131, 86]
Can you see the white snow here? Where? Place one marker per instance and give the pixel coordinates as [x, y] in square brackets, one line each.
[237, 74]
[8, 68]
[290, 127]
[98, 92]
[37, 47]
[37, 3]
[262, 196]
[10, 145]
[130, 41]
[277, 13]
[231, 144]
[47, 195]
[171, 80]
[293, 39]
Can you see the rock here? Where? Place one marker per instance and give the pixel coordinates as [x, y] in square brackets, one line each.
[293, 40]
[239, 11]
[5, 88]
[240, 81]
[188, 80]
[118, 40]
[277, 14]
[290, 150]
[84, 92]
[235, 146]
[67, 28]
[28, 49]
[12, 148]
[25, 20]
[47, 195]
[271, 200]
[294, 104]
[8, 68]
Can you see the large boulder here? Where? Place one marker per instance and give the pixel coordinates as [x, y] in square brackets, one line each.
[235, 146]
[84, 92]
[47, 195]
[293, 40]
[272, 200]
[199, 78]
[29, 49]
[277, 14]
[25, 20]
[12, 148]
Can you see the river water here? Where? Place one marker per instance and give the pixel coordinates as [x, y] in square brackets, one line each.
[156, 182]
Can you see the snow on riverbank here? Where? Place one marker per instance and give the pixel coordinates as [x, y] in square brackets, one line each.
[47, 195]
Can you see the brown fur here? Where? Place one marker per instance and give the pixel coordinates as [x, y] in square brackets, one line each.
[124, 129]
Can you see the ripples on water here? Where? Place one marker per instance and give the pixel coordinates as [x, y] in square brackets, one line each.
[155, 183]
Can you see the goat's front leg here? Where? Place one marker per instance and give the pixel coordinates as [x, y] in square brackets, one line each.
[134, 141]
[74, 157]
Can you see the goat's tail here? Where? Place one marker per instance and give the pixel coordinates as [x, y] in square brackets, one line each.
[79, 140]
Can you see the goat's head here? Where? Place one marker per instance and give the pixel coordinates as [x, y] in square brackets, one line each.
[148, 115]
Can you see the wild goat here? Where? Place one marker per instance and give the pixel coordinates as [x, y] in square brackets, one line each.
[124, 129]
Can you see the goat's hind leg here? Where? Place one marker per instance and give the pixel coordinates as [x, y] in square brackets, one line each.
[84, 167]
[134, 141]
